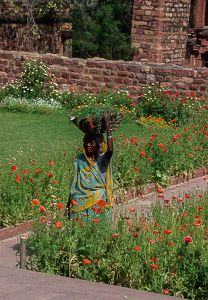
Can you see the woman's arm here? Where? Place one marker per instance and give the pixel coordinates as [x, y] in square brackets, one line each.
[109, 152]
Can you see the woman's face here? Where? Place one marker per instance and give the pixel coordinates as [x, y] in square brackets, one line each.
[90, 147]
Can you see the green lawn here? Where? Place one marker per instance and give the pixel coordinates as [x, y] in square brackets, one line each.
[25, 134]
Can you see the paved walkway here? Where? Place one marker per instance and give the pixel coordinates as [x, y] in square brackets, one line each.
[26, 285]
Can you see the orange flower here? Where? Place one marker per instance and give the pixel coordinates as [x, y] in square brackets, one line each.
[101, 203]
[131, 209]
[74, 202]
[60, 206]
[13, 168]
[96, 221]
[42, 208]
[18, 178]
[166, 291]
[58, 224]
[136, 248]
[35, 202]
[115, 235]
[153, 267]
[86, 261]
[167, 231]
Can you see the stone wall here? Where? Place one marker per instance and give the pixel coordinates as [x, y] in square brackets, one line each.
[97, 74]
[159, 30]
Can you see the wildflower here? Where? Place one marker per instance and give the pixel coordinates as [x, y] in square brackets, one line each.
[142, 153]
[51, 162]
[131, 209]
[136, 248]
[115, 235]
[14, 168]
[151, 242]
[60, 206]
[200, 208]
[149, 159]
[136, 170]
[74, 202]
[96, 221]
[167, 231]
[35, 202]
[96, 209]
[187, 196]
[32, 161]
[188, 239]
[42, 208]
[166, 291]
[153, 267]
[38, 171]
[162, 147]
[179, 200]
[129, 223]
[58, 224]
[154, 259]
[25, 172]
[101, 203]
[50, 175]
[18, 178]
[86, 261]
[135, 234]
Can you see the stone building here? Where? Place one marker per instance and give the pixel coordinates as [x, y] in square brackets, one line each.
[171, 31]
[27, 25]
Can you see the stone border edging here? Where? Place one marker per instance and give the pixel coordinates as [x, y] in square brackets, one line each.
[12, 231]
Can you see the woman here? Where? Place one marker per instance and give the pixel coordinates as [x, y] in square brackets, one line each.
[92, 185]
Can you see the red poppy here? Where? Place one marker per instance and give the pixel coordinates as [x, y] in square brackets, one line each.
[179, 200]
[167, 231]
[115, 235]
[149, 159]
[86, 261]
[136, 170]
[25, 172]
[38, 171]
[162, 147]
[188, 239]
[154, 259]
[32, 161]
[35, 202]
[200, 208]
[101, 203]
[187, 196]
[151, 242]
[135, 234]
[136, 248]
[134, 140]
[129, 223]
[142, 153]
[14, 168]
[167, 201]
[51, 162]
[131, 209]
[74, 202]
[18, 178]
[42, 208]
[96, 209]
[96, 221]
[55, 181]
[60, 206]
[166, 291]
[50, 175]
[58, 225]
[154, 267]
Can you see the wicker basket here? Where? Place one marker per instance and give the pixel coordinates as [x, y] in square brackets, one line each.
[97, 125]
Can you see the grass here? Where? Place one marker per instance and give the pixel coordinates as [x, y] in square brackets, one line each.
[41, 134]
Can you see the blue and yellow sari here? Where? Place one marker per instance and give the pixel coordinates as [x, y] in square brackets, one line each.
[92, 183]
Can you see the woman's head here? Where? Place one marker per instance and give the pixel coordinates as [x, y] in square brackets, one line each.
[91, 144]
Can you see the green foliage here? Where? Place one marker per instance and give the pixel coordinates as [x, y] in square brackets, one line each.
[104, 31]
[164, 253]
[178, 107]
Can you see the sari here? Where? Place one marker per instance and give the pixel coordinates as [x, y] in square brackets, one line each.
[92, 182]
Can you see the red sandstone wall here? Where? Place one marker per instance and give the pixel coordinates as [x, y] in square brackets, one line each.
[159, 30]
[97, 74]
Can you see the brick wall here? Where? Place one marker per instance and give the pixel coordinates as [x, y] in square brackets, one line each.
[159, 30]
[97, 74]
[23, 28]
